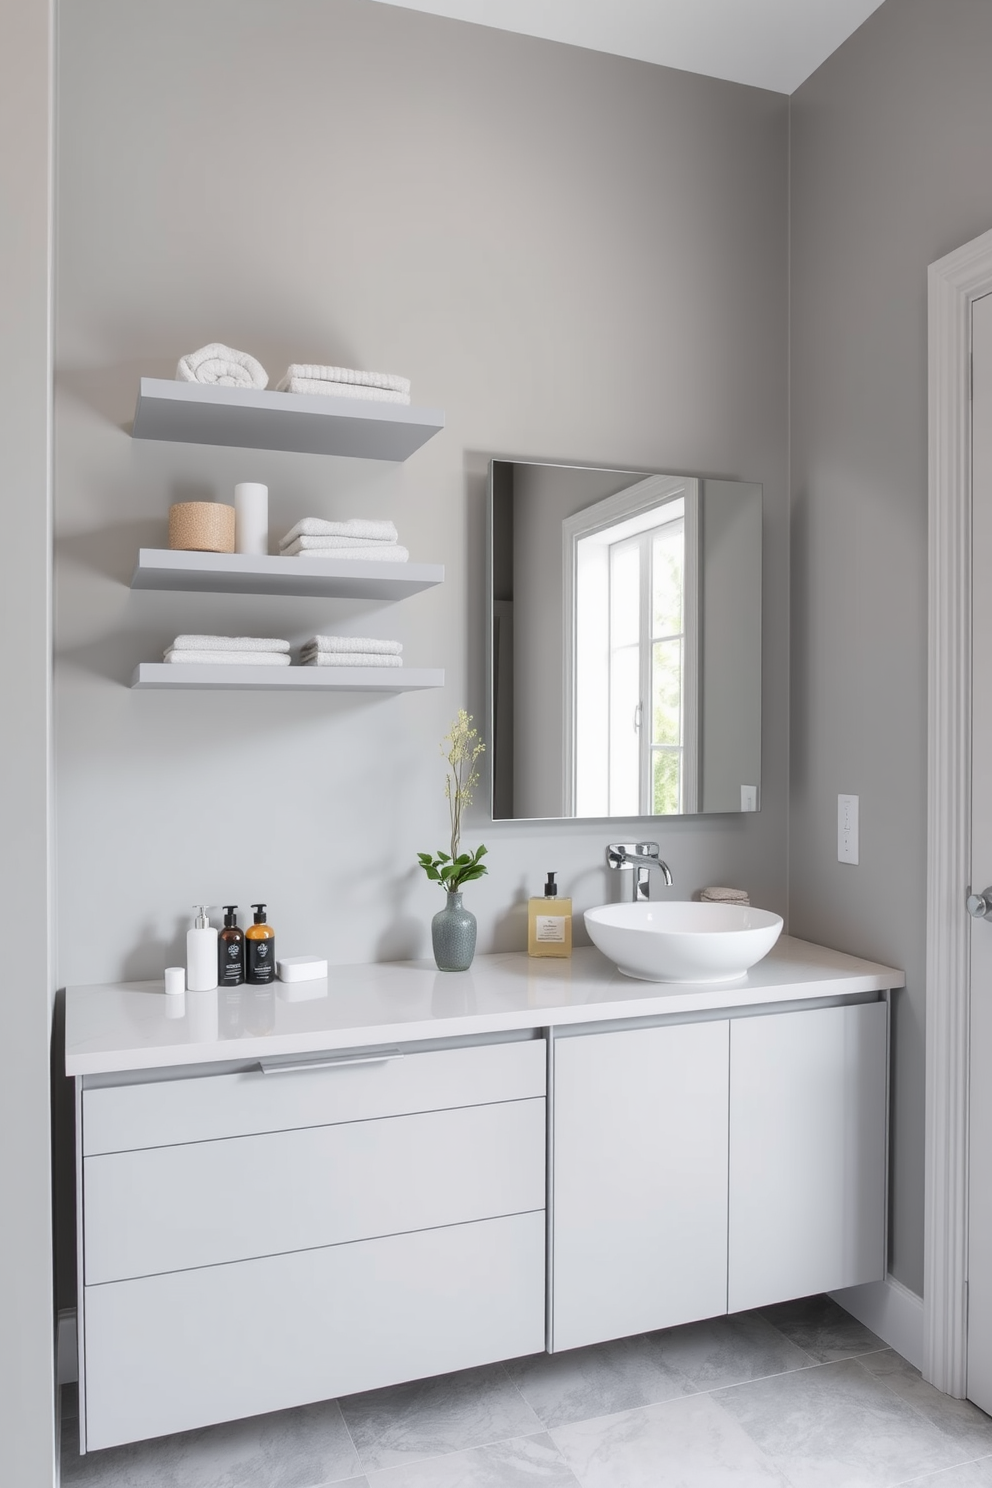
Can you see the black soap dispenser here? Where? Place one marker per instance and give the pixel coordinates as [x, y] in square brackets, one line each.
[260, 948]
[231, 950]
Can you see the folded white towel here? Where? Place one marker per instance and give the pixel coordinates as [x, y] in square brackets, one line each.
[355, 527]
[324, 544]
[222, 366]
[351, 659]
[341, 390]
[725, 896]
[375, 552]
[226, 658]
[313, 372]
[370, 644]
[228, 643]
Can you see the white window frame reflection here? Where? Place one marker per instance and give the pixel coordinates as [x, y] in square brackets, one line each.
[587, 540]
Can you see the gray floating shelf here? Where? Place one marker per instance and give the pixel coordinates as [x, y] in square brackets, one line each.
[236, 573]
[198, 413]
[163, 674]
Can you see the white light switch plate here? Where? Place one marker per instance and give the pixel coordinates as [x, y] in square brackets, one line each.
[847, 829]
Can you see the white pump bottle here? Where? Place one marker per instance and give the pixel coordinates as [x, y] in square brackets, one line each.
[201, 953]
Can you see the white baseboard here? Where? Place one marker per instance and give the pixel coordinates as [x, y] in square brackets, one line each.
[66, 1362]
[892, 1311]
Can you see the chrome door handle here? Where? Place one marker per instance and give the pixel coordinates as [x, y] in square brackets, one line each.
[272, 1067]
[980, 905]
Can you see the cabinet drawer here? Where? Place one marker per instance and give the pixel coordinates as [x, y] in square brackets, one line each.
[121, 1118]
[169, 1208]
[168, 1353]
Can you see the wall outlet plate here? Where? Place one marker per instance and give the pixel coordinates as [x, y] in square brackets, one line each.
[847, 829]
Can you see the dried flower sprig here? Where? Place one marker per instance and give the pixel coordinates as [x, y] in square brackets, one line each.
[461, 747]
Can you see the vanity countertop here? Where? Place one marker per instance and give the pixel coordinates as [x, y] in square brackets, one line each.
[134, 1026]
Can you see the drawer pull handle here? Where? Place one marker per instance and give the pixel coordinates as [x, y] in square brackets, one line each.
[270, 1067]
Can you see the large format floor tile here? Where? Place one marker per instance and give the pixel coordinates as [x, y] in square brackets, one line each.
[728, 1350]
[973, 1475]
[305, 1448]
[958, 1420]
[687, 1443]
[822, 1329]
[598, 1381]
[431, 1417]
[528, 1462]
[837, 1426]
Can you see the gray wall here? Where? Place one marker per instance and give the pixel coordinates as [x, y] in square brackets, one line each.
[578, 256]
[891, 141]
[26, 1323]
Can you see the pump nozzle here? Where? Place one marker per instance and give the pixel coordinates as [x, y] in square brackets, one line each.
[230, 915]
[551, 888]
[202, 923]
[259, 913]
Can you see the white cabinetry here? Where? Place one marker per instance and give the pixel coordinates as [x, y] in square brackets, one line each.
[253, 1241]
[647, 1146]
[640, 1180]
[807, 1152]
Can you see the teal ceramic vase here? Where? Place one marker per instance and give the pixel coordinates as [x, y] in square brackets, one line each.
[453, 931]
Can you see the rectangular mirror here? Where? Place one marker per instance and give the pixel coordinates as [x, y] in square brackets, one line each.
[625, 643]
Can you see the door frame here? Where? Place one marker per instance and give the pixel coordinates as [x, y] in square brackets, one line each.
[954, 283]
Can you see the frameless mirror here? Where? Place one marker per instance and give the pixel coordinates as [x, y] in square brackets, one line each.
[625, 643]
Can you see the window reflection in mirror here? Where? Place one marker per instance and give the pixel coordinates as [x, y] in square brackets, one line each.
[625, 631]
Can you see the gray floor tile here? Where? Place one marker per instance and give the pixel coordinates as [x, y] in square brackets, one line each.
[527, 1462]
[836, 1426]
[687, 1443]
[428, 1418]
[304, 1448]
[822, 1329]
[727, 1351]
[597, 1381]
[974, 1475]
[966, 1425]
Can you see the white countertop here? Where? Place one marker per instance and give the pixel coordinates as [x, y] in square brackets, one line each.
[134, 1026]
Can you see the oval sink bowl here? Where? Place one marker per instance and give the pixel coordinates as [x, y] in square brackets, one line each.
[681, 941]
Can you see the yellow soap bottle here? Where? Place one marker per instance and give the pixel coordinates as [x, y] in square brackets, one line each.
[549, 923]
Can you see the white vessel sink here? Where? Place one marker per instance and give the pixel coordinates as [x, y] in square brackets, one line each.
[681, 941]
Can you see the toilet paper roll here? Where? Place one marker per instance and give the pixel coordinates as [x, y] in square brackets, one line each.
[201, 527]
[251, 518]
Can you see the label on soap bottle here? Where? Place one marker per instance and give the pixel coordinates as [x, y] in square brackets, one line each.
[549, 928]
[261, 961]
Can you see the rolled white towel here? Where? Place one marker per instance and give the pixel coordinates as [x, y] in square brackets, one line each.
[366, 644]
[365, 530]
[223, 367]
[226, 658]
[375, 552]
[350, 659]
[228, 643]
[341, 390]
[313, 372]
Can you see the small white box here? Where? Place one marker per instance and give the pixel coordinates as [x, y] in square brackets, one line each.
[301, 968]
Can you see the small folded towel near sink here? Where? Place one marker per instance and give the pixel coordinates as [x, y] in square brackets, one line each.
[724, 896]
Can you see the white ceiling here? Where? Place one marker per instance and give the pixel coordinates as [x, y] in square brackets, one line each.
[768, 43]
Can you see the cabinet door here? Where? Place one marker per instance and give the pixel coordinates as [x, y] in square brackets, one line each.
[807, 1152]
[640, 1180]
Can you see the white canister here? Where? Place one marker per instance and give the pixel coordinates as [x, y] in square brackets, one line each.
[251, 518]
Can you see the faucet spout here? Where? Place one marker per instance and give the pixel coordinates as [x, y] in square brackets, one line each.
[641, 857]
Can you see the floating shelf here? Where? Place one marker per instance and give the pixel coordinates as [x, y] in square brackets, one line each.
[165, 674]
[197, 413]
[237, 573]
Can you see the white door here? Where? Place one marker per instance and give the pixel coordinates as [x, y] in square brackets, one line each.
[640, 1181]
[807, 1153]
[980, 1085]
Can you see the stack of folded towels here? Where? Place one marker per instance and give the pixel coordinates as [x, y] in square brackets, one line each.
[212, 650]
[351, 651]
[725, 896]
[345, 382]
[356, 538]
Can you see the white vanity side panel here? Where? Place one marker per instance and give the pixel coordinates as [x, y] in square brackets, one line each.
[807, 1153]
[170, 1208]
[168, 1353]
[640, 1180]
[124, 1117]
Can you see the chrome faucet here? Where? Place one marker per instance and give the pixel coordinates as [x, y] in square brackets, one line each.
[641, 857]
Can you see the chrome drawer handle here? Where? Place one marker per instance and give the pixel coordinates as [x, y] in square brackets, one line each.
[270, 1067]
